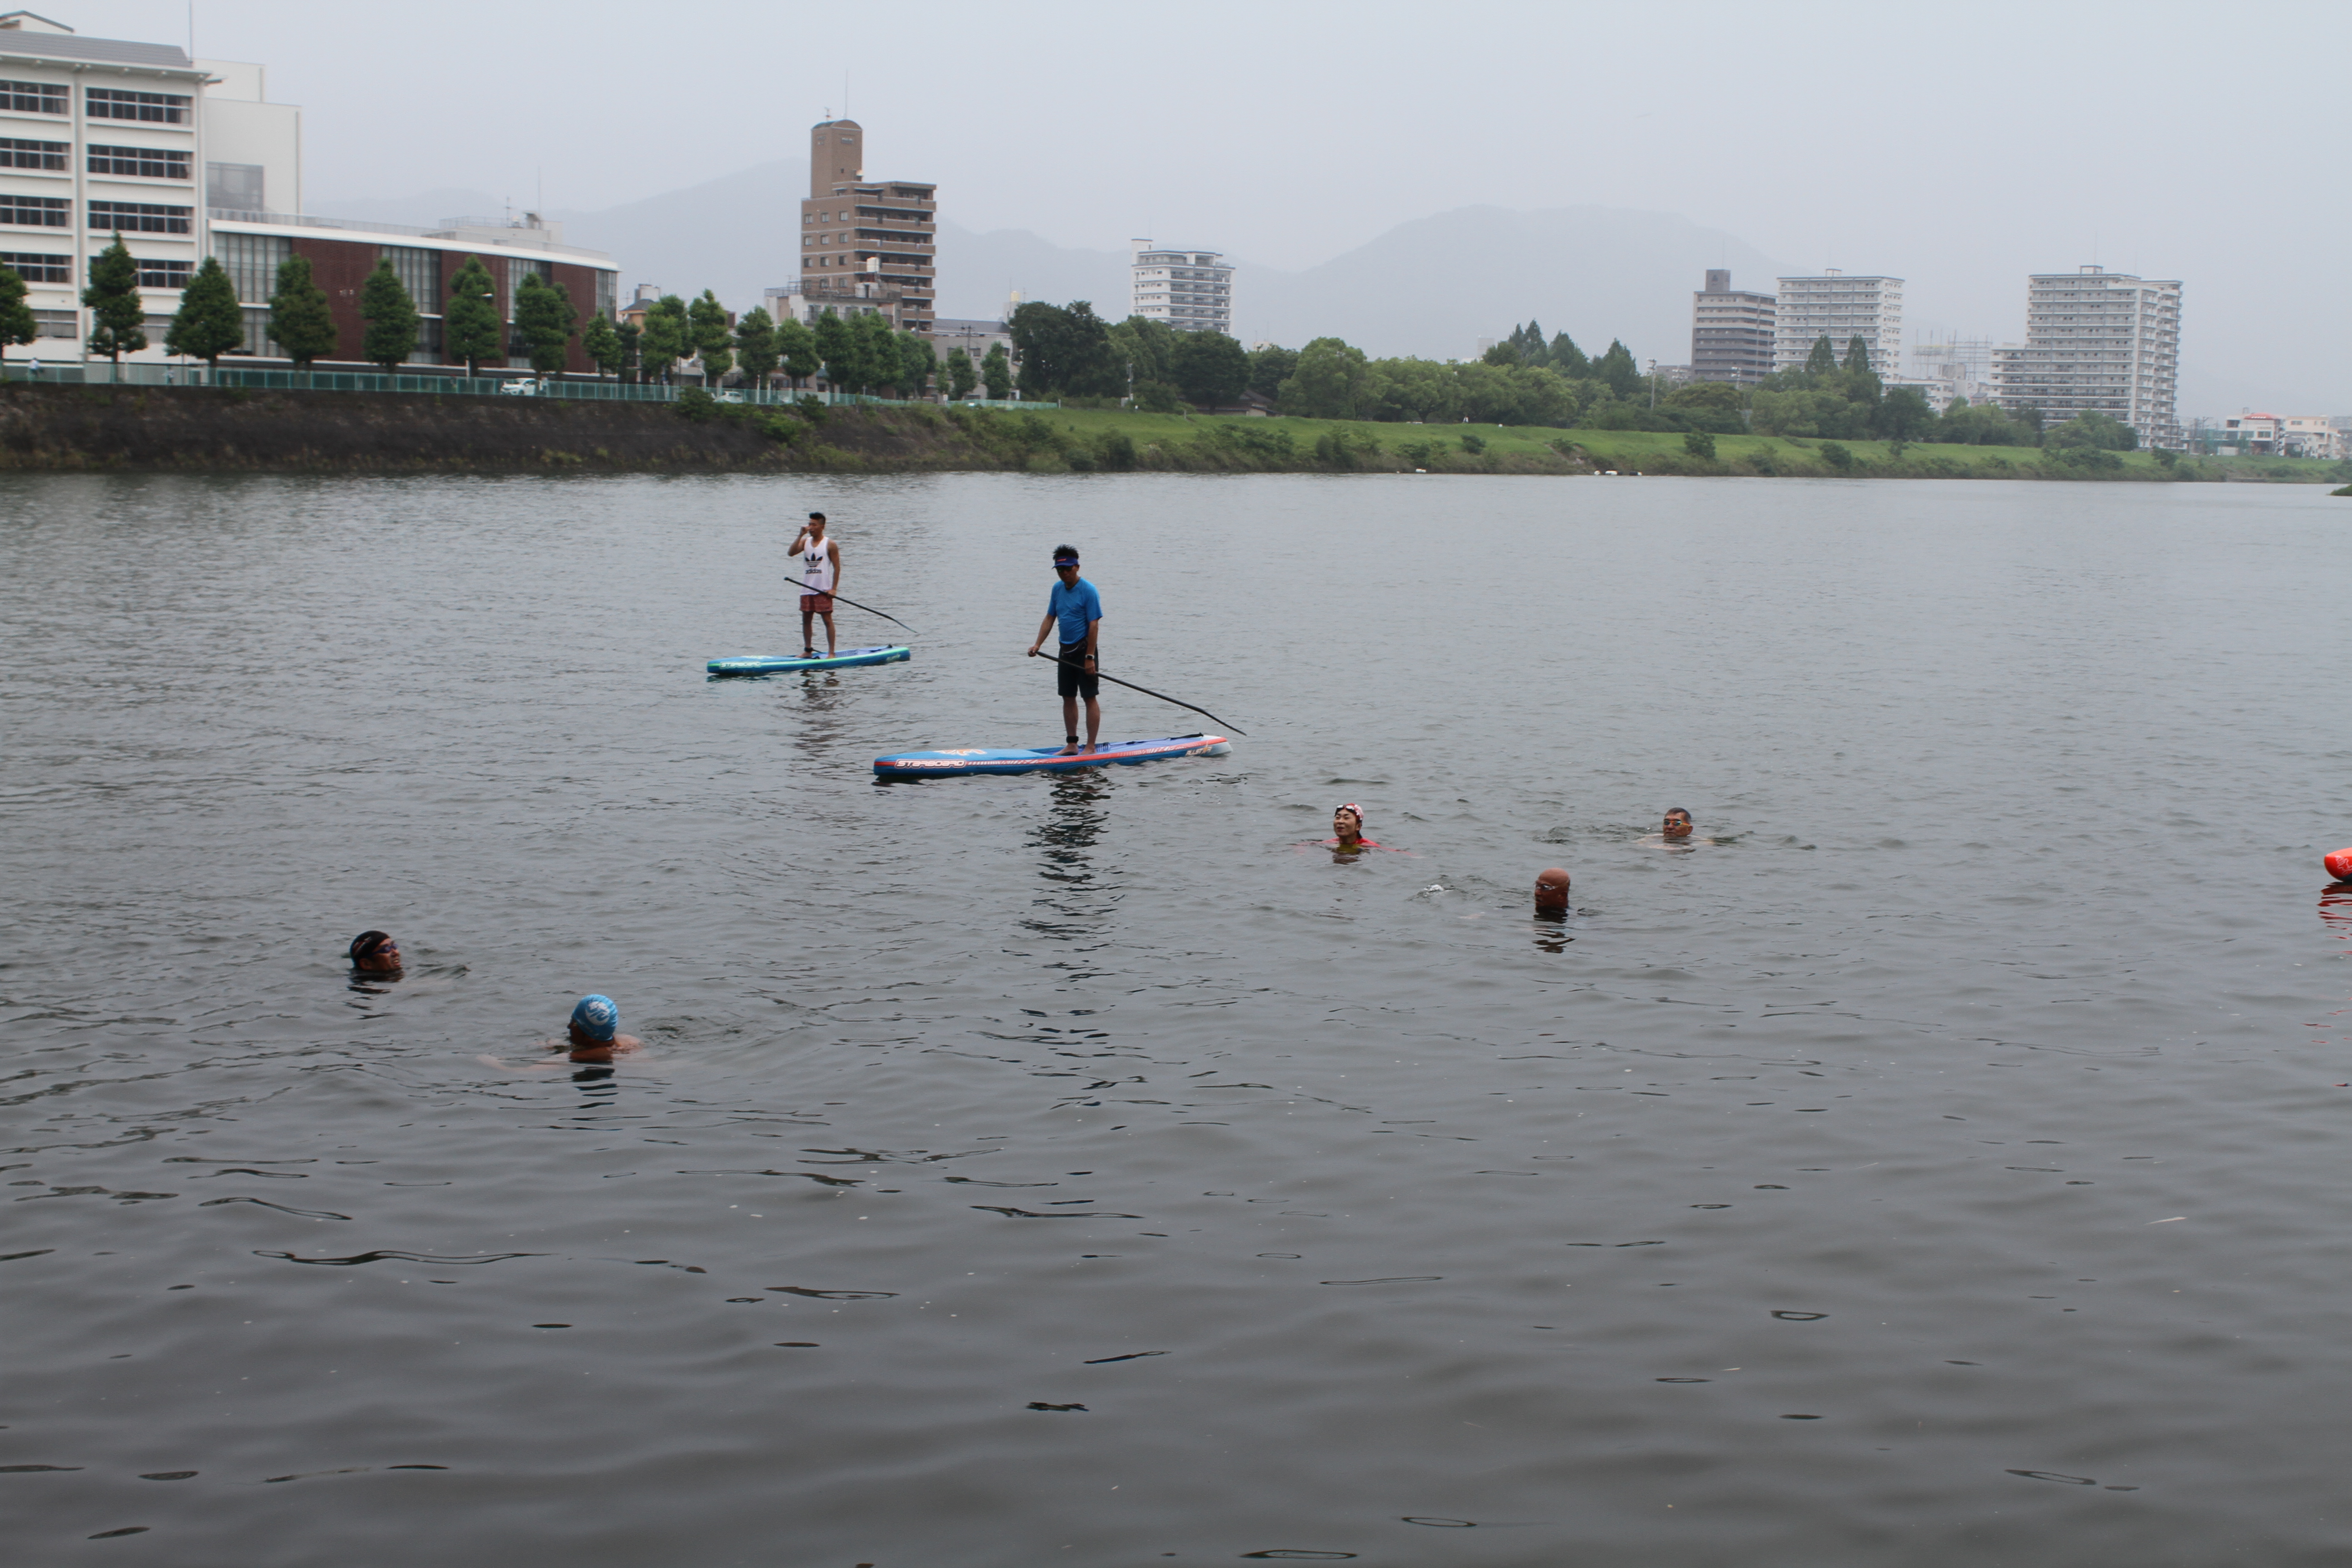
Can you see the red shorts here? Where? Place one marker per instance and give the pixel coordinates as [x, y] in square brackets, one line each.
[816, 604]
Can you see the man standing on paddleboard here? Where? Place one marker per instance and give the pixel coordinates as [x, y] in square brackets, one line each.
[1078, 608]
[820, 575]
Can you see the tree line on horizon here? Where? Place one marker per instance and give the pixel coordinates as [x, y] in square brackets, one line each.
[863, 352]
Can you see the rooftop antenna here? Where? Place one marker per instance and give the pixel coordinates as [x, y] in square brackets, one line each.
[192, 30]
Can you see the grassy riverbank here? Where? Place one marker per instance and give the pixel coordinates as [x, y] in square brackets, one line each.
[227, 429]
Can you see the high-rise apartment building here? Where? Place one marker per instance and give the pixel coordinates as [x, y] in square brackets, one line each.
[1840, 309]
[1191, 290]
[186, 159]
[866, 245]
[1731, 333]
[2096, 343]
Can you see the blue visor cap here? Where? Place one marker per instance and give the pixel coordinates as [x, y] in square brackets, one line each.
[597, 1017]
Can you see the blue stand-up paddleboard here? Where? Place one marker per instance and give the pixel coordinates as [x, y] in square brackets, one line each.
[1044, 759]
[779, 664]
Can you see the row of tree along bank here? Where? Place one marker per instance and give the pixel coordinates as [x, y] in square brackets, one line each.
[1070, 354]
[854, 354]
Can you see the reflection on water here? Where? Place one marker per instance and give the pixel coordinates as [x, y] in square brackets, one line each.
[1841, 1194]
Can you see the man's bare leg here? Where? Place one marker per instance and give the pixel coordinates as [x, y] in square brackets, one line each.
[1094, 723]
[828, 633]
[808, 631]
[1070, 725]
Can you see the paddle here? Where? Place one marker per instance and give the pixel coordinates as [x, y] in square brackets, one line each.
[847, 600]
[1115, 680]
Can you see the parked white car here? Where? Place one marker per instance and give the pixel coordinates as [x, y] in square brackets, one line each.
[525, 387]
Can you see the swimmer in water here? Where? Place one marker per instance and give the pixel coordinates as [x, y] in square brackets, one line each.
[1677, 826]
[1347, 830]
[1551, 892]
[374, 953]
[594, 1035]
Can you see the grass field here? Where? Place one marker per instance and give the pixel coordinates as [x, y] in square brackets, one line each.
[1228, 442]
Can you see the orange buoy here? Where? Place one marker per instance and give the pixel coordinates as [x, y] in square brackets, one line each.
[2339, 865]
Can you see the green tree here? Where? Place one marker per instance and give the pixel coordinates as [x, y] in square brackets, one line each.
[2093, 432]
[996, 372]
[796, 348]
[1857, 354]
[755, 345]
[300, 321]
[1823, 361]
[916, 360]
[878, 353]
[1699, 444]
[1904, 414]
[1269, 368]
[391, 317]
[1329, 382]
[472, 328]
[18, 323]
[1617, 371]
[1147, 349]
[631, 338]
[1210, 368]
[1567, 359]
[1837, 457]
[961, 376]
[112, 295]
[1065, 350]
[1415, 389]
[712, 337]
[543, 317]
[837, 350]
[666, 336]
[209, 321]
[601, 341]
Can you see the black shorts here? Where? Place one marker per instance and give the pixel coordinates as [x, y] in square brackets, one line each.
[1071, 674]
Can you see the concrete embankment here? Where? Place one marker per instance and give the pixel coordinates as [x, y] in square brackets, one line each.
[230, 429]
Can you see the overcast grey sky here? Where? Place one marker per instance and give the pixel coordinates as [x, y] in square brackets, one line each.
[1959, 146]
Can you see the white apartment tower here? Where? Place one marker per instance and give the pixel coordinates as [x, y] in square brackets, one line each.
[2096, 343]
[1840, 309]
[1191, 290]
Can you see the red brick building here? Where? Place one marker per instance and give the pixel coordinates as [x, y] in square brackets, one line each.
[343, 254]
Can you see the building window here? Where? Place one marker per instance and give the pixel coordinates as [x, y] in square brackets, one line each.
[58, 323]
[140, 217]
[18, 154]
[120, 103]
[257, 341]
[234, 187]
[520, 267]
[32, 98]
[607, 284]
[419, 271]
[36, 212]
[154, 274]
[252, 262]
[38, 268]
[141, 163]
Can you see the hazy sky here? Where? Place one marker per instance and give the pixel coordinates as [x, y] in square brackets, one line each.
[1959, 146]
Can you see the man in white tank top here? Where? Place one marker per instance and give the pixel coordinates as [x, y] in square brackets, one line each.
[819, 575]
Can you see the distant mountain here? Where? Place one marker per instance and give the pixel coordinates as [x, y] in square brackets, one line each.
[1432, 287]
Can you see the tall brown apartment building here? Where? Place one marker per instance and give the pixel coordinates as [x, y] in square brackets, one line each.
[866, 245]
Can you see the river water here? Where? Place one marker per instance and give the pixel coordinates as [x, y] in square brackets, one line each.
[1941, 1161]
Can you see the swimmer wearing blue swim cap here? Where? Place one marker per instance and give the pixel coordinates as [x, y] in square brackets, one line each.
[595, 1032]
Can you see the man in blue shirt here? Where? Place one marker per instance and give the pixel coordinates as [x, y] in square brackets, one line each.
[1078, 608]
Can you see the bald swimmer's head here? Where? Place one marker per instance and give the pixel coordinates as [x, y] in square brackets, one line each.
[1551, 892]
